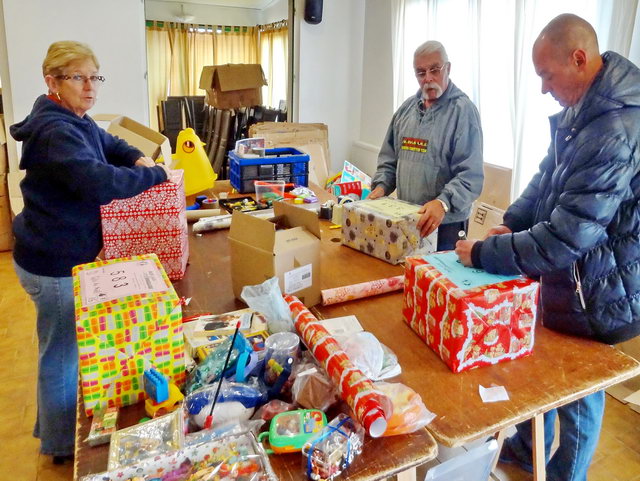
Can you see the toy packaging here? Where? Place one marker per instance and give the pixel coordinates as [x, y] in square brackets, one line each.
[333, 450]
[385, 228]
[103, 425]
[128, 319]
[146, 440]
[289, 431]
[233, 457]
[153, 221]
[468, 317]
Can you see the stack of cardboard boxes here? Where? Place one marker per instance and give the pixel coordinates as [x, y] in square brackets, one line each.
[6, 237]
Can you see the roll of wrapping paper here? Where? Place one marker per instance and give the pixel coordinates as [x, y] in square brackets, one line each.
[370, 406]
[364, 289]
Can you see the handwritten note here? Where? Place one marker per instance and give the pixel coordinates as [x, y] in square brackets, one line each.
[114, 281]
[392, 207]
[463, 277]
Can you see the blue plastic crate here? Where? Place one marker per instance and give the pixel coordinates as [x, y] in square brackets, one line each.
[282, 163]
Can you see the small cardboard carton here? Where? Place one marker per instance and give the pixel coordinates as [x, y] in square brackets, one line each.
[286, 246]
[151, 143]
[232, 86]
[483, 218]
[468, 317]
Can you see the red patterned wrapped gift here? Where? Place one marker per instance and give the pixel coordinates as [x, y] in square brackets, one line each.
[153, 222]
[468, 317]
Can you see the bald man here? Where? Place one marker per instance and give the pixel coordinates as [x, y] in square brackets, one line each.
[576, 226]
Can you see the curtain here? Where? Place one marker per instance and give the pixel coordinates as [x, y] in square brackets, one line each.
[489, 46]
[274, 40]
[176, 53]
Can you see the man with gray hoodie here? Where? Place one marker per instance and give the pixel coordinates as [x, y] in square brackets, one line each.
[432, 152]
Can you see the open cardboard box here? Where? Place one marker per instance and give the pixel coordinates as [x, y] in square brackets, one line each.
[232, 86]
[286, 246]
[151, 143]
[482, 219]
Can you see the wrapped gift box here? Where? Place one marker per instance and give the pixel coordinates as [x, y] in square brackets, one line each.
[154, 221]
[385, 228]
[128, 319]
[468, 317]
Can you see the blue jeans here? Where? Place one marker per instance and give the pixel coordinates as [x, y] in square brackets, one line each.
[580, 423]
[57, 360]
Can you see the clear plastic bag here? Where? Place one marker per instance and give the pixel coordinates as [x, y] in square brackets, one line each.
[409, 412]
[266, 298]
[211, 368]
[365, 351]
[312, 388]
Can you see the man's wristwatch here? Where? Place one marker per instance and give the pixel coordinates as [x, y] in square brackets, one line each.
[444, 205]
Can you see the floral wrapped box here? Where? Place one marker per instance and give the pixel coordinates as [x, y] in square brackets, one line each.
[468, 317]
[128, 319]
[154, 221]
[385, 228]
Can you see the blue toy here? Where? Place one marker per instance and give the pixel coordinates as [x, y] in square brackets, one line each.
[156, 385]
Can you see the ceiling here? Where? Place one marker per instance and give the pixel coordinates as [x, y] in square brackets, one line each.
[255, 4]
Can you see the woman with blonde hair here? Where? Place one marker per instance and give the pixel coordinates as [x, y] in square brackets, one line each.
[72, 167]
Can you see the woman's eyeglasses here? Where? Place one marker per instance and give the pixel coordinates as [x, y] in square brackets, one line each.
[81, 79]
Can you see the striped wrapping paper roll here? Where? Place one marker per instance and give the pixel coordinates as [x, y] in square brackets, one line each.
[364, 289]
[370, 406]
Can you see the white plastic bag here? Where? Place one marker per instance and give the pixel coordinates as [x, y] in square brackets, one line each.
[364, 351]
[267, 299]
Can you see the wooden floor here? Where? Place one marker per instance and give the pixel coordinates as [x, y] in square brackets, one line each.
[617, 457]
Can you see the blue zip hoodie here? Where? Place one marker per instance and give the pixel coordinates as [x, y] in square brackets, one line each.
[72, 167]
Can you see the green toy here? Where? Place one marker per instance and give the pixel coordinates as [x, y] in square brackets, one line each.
[290, 430]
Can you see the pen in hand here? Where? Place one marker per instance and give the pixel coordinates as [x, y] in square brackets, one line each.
[462, 235]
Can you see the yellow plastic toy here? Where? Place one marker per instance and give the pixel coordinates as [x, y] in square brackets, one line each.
[175, 396]
[192, 158]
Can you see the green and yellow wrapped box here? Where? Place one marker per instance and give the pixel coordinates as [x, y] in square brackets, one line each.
[128, 319]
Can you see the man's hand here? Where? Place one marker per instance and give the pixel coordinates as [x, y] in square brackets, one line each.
[498, 230]
[376, 193]
[145, 162]
[463, 250]
[432, 215]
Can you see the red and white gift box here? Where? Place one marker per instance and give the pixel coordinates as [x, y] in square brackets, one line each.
[153, 222]
[469, 327]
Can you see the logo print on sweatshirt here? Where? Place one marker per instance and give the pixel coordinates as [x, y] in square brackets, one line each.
[414, 145]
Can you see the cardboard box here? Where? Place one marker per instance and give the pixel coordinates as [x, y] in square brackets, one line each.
[385, 228]
[4, 162]
[286, 246]
[232, 86]
[628, 392]
[312, 139]
[496, 190]
[468, 317]
[128, 318]
[6, 233]
[482, 219]
[151, 143]
[154, 221]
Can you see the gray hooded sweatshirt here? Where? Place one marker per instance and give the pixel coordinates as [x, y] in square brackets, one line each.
[434, 152]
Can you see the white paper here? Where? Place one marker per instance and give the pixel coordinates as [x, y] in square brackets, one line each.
[342, 326]
[114, 281]
[297, 279]
[493, 394]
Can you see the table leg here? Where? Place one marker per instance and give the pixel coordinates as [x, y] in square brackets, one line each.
[539, 468]
[500, 438]
[407, 475]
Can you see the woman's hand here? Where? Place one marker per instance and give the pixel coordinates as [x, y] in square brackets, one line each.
[145, 162]
[167, 171]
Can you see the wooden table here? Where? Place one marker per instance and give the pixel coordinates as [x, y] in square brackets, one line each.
[207, 283]
[560, 370]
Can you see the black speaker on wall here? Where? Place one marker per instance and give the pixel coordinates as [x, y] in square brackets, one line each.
[313, 11]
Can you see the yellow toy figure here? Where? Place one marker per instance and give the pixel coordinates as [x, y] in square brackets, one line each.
[191, 157]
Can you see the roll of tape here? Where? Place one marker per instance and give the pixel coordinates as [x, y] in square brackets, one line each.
[325, 212]
[210, 204]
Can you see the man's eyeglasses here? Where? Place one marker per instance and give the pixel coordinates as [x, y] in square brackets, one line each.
[434, 71]
[81, 79]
